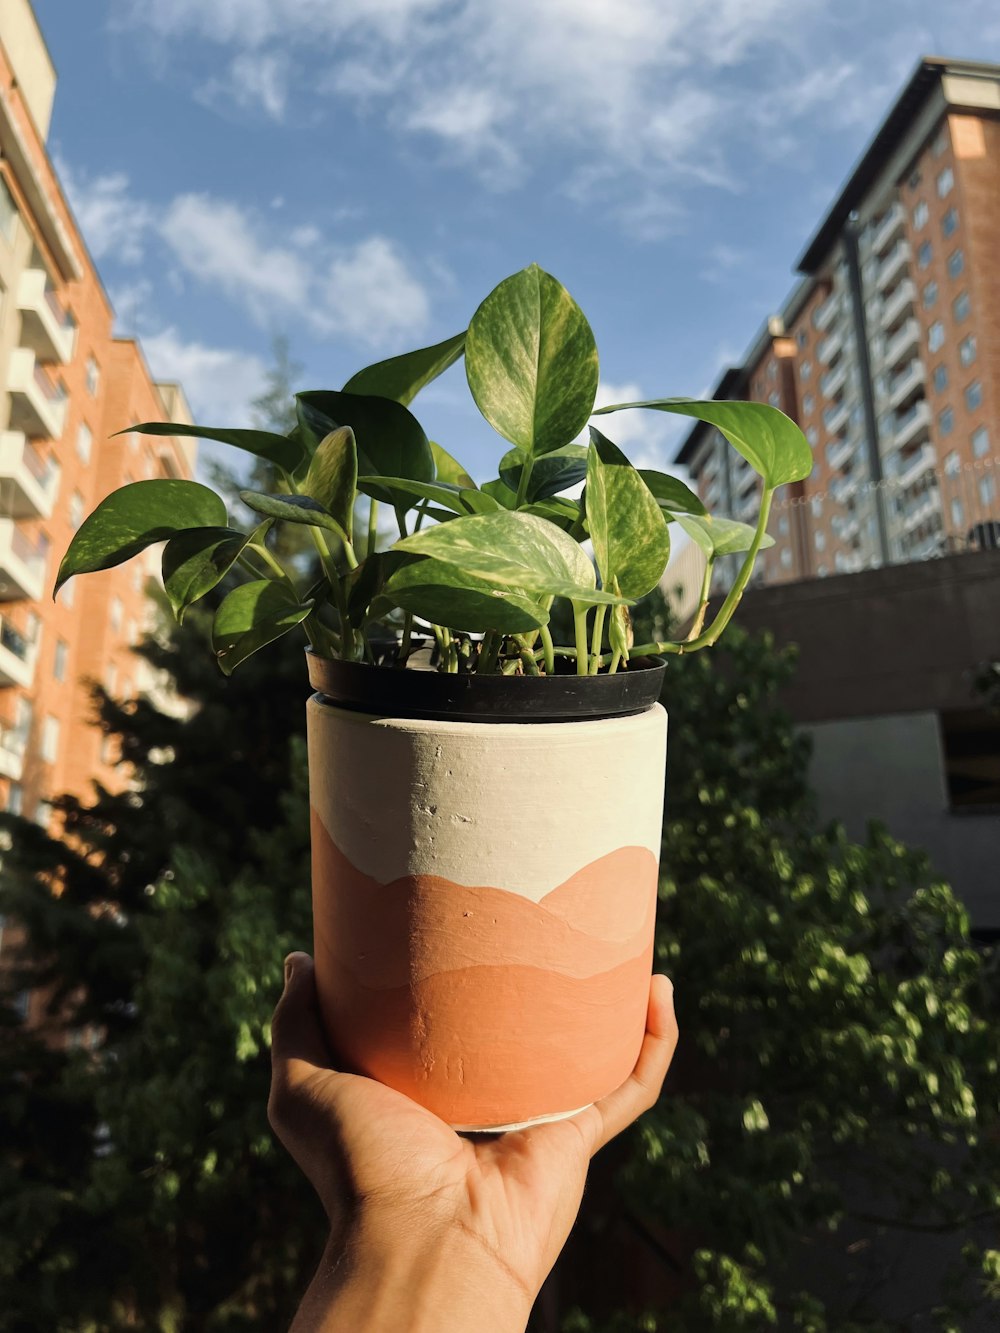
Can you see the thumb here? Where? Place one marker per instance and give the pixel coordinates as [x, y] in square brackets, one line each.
[296, 1029]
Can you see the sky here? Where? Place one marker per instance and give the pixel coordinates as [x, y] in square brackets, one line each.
[356, 175]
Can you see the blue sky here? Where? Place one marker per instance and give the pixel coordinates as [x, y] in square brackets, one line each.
[357, 174]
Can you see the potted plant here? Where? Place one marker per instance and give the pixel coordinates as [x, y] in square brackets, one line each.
[487, 803]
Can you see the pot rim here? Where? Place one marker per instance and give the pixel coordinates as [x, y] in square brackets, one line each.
[440, 696]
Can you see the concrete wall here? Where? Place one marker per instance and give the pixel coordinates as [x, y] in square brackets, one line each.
[28, 54]
[882, 655]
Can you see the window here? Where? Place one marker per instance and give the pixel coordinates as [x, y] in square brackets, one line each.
[974, 395]
[940, 141]
[960, 307]
[940, 379]
[957, 513]
[915, 179]
[15, 799]
[820, 539]
[774, 398]
[132, 633]
[935, 336]
[930, 295]
[971, 744]
[84, 440]
[817, 506]
[946, 421]
[783, 526]
[786, 557]
[945, 180]
[812, 435]
[924, 254]
[111, 678]
[987, 490]
[956, 263]
[107, 750]
[50, 740]
[93, 376]
[67, 593]
[980, 442]
[806, 369]
[117, 611]
[43, 814]
[60, 659]
[33, 625]
[949, 222]
[952, 467]
[8, 212]
[920, 215]
[802, 337]
[75, 510]
[967, 350]
[808, 403]
[772, 370]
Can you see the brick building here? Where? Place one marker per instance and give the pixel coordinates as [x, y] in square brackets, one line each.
[66, 385]
[887, 351]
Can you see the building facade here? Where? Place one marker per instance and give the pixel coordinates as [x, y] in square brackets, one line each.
[67, 385]
[887, 352]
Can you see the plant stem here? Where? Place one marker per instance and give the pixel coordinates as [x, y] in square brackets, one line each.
[522, 485]
[706, 587]
[580, 625]
[596, 639]
[616, 657]
[326, 560]
[372, 527]
[404, 642]
[709, 636]
[488, 650]
[527, 656]
[548, 652]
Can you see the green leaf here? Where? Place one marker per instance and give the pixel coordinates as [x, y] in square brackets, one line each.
[447, 595]
[560, 510]
[550, 474]
[516, 550]
[332, 478]
[390, 441]
[197, 560]
[531, 362]
[136, 516]
[670, 492]
[402, 377]
[278, 449]
[366, 582]
[721, 536]
[254, 614]
[449, 468]
[501, 492]
[439, 492]
[293, 509]
[630, 539]
[770, 442]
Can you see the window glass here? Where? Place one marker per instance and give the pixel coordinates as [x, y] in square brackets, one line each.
[974, 395]
[930, 295]
[935, 336]
[980, 442]
[946, 421]
[956, 263]
[949, 222]
[84, 441]
[940, 378]
[960, 306]
[967, 350]
[945, 180]
[920, 215]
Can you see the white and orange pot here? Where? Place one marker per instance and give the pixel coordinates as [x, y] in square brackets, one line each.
[485, 855]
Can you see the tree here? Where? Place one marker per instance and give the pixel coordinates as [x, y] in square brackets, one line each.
[833, 1009]
[837, 1088]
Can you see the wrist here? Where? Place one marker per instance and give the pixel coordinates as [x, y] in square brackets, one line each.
[412, 1279]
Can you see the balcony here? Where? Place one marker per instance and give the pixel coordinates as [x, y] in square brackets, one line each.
[843, 488]
[831, 345]
[909, 379]
[902, 342]
[28, 483]
[840, 452]
[22, 566]
[889, 228]
[17, 656]
[834, 380]
[912, 466]
[836, 416]
[892, 265]
[898, 302]
[827, 312]
[37, 403]
[911, 424]
[922, 508]
[13, 744]
[46, 328]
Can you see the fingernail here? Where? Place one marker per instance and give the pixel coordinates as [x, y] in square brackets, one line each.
[289, 969]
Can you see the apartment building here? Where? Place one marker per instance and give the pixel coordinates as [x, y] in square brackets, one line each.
[67, 384]
[887, 351]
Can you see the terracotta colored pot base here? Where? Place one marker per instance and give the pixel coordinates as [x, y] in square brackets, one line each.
[521, 1124]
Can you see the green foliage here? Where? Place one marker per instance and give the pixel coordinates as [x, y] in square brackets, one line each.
[531, 365]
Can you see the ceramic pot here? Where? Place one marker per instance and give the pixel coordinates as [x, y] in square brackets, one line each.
[484, 895]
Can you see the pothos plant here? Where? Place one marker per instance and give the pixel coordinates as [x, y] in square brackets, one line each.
[473, 569]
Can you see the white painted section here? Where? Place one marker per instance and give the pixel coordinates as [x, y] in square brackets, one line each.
[511, 806]
[891, 769]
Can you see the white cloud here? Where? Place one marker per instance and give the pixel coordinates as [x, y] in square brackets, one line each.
[254, 81]
[364, 293]
[219, 382]
[112, 222]
[642, 434]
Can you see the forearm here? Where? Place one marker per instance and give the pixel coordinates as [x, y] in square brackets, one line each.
[411, 1284]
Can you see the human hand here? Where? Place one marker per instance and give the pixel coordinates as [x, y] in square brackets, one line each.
[431, 1229]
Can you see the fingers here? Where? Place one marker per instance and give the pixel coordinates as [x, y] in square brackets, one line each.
[640, 1091]
[296, 1032]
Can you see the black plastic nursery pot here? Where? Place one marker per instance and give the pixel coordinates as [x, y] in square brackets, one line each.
[485, 860]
